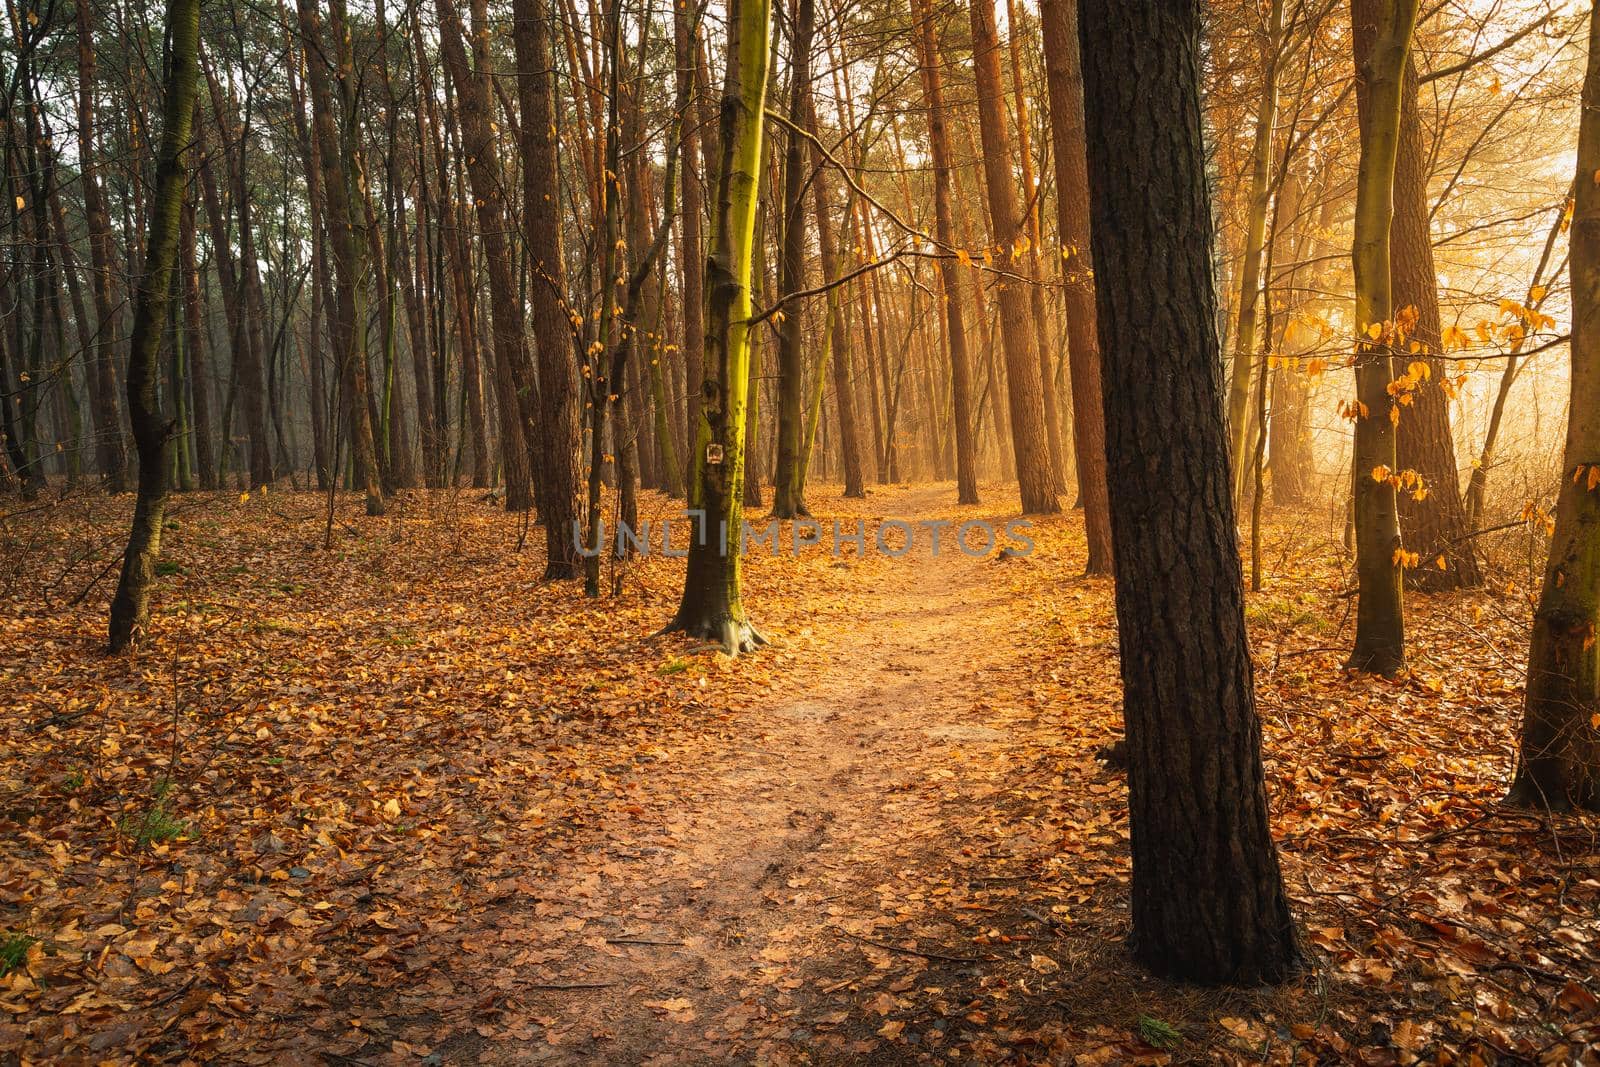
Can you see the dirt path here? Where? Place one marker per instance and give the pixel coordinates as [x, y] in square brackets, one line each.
[729, 920]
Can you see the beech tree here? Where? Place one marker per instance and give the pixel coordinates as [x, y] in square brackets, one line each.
[1382, 44]
[712, 605]
[152, 429]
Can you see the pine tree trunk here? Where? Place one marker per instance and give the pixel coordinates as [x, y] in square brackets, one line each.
[558, 385]
[152, 430]
[341, 179]
[198, 357]
[515, 389]
[838, 329]
[788, 492]
[1435, 526]
[691, 258]
[1063, 71]
[949, 270]
[1044, 341]
[1244, 352]
[1560, 750]
[1208, 900]
[1025, 385]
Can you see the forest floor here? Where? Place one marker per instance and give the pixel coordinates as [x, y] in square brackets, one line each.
[399, 802]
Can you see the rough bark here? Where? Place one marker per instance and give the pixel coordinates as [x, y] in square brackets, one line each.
[1435, 527]
[1208, 900]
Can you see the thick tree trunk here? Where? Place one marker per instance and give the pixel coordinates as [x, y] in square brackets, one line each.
[152, 430]
[1025, 385]
[1208, 898]
[1560, 751]
[712, 607]
[1382, 45]
[1063, 71]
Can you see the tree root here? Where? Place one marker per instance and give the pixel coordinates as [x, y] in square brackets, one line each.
[731, 635]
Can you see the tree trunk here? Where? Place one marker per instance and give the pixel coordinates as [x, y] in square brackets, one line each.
[1244, 351]
[341, 181]
[1030, 210]
[691, 259]
[788, 489]
[1382, 45]
[152, 431]
[111, 454]
[838, 329]
[949, 270]
[1025, 385]
[514, 386]
[198, 358]
[712, 607]
[1560, 750]
[541, 220]
[1208, 899]
[1063, 71]
[1435, 526]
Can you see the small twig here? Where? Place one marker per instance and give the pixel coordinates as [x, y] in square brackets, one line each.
[569, 985]
[59, 719]
[638, 941]
[911, 951]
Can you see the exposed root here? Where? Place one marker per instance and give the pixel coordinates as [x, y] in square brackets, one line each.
[732, 635]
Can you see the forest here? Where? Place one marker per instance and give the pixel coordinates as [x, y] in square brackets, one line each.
[800, 532]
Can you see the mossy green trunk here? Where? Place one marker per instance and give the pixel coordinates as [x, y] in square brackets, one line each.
[152, 430]
[712, 607]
